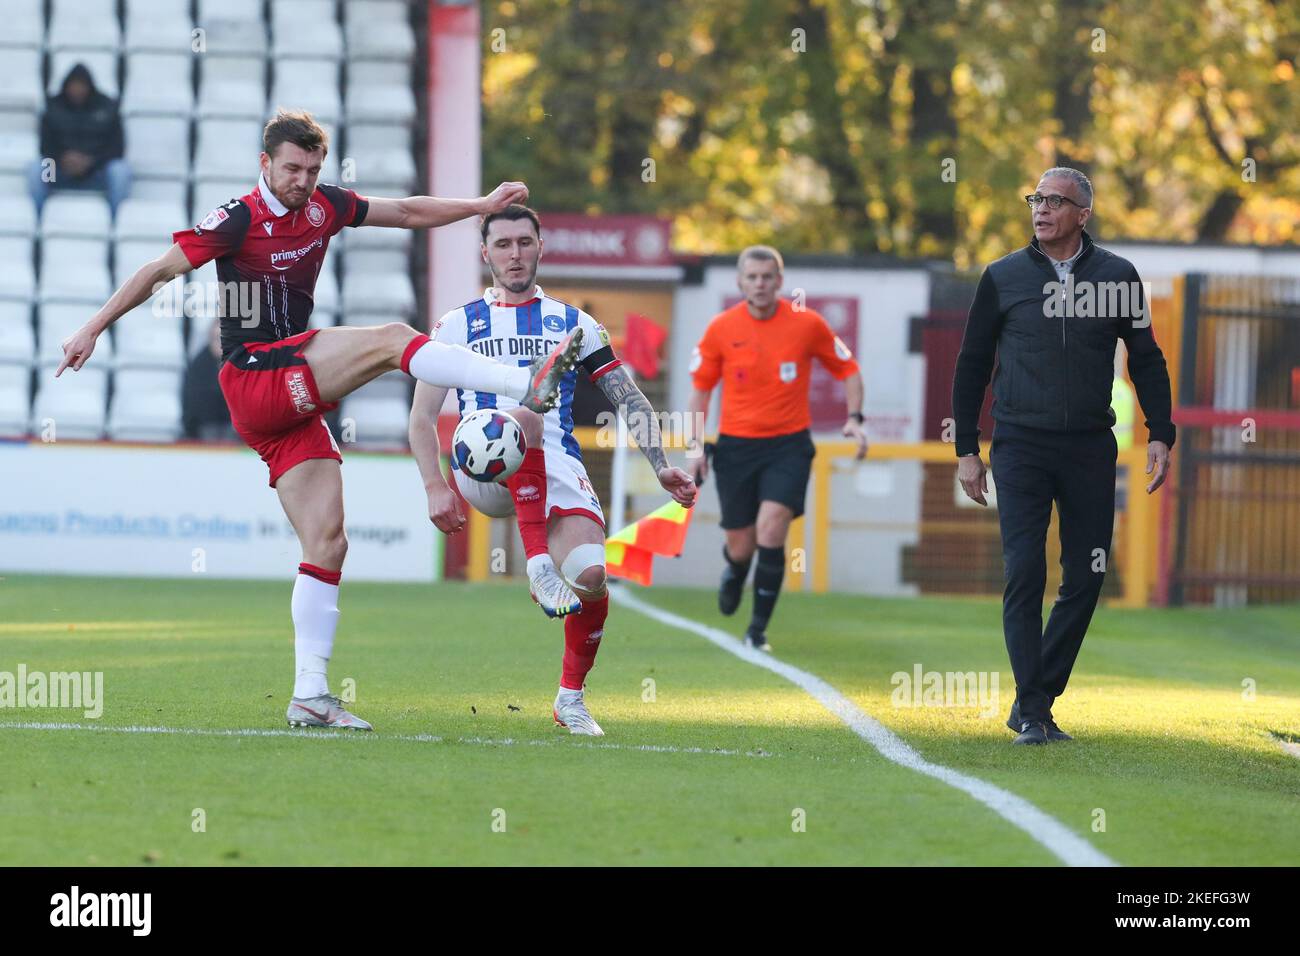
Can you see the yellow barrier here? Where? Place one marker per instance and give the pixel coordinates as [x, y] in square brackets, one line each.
[1136, 530]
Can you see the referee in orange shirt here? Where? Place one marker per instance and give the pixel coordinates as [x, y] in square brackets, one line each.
[762, 350]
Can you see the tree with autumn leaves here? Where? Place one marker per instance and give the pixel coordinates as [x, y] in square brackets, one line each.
[908, 127]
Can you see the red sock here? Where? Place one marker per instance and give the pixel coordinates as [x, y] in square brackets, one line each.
[528, 488]
[582, 633]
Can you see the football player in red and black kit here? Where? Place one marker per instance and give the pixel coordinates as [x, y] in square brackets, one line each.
[279, 377]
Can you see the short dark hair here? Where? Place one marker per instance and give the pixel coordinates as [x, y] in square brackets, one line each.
[294, 126]
[512, 213]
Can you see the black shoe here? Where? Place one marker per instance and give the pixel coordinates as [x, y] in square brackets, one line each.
[732, 587]
[1013, 721]
[1032, 732]
[1054, 732]
[758, 641]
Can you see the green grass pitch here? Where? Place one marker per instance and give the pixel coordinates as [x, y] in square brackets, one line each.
[719, 767]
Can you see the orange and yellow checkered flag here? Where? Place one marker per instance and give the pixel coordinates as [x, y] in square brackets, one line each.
[629, 553]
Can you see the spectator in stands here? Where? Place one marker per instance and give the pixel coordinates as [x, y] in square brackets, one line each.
[204, 414]
[81, 142]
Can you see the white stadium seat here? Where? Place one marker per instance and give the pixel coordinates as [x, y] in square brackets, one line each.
[232, 87]
[228, 149]
[211, 193]
[378, 260]
[20, 218]
[17, 337]
[369, 11]
[146, 406]
[158, 83]
[15, 399]
[379, 73]
[101, 63]
[20, 81]
[389, 293]
[73, 403]
[18, 277]
[74, 270]
[311, 85]
[171, 191]
[326, 297]
[297, 12]
[18, 146]
[147, 340]
[24, 25]
[381, 170]
[149, 219]
[230, 36]
[130, 254]
[383, 420]
[355, 240]
[391, 40]
[230, 9]
[83, 25]
[163, 26]
[375, 103]
[59, 320]
[76, 213]
[158, 146]
[309, 39]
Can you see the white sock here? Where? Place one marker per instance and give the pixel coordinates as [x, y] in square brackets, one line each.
[315, 616]
[454, 366]
[537, 562]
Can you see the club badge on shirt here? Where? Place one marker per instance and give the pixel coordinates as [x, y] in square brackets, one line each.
[789, 371]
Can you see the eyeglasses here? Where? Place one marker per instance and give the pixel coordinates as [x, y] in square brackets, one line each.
[1053, 201]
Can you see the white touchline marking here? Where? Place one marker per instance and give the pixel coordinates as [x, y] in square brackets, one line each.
[355, 735]
[1068, 846]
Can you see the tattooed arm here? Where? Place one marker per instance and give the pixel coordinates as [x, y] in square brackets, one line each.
[630, 402]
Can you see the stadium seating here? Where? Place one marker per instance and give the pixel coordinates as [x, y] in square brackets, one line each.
[18, 277]
[17, 339]
[20, 218]
[158, 84]
[378, 413]
[75, 214]
[159, 26]
[58, 320]
[73, 404]
[311, 85]
[74, 269]
[192, 125]
[24, 26]
[146, 406]
[150, 219]
[151, 146]
[83, 25]
[20, 81]
[15, 399]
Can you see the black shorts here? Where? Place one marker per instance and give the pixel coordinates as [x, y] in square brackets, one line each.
[751, 470]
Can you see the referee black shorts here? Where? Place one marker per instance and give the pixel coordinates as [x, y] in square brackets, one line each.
[752, 470]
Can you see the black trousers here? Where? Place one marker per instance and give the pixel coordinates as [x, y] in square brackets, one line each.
[1031, 469]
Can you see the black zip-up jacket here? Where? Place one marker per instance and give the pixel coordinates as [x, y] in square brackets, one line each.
[1055, 369]
[94, 128]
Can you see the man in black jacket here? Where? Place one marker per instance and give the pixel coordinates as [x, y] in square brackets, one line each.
[81, 142]
[1053, 312]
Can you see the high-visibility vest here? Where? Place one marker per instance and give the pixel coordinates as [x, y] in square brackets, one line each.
[1123, 402]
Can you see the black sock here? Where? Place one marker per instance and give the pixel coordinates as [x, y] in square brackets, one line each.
[738, 568]
[768, 575]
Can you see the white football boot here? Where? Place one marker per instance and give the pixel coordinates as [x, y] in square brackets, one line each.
[571, 712]
[549, 589]
[323, 711]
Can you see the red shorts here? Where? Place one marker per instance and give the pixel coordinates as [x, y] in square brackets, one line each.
[274, 404]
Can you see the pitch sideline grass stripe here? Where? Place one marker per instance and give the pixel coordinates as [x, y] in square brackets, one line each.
[354, 735]
[1058, 839]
